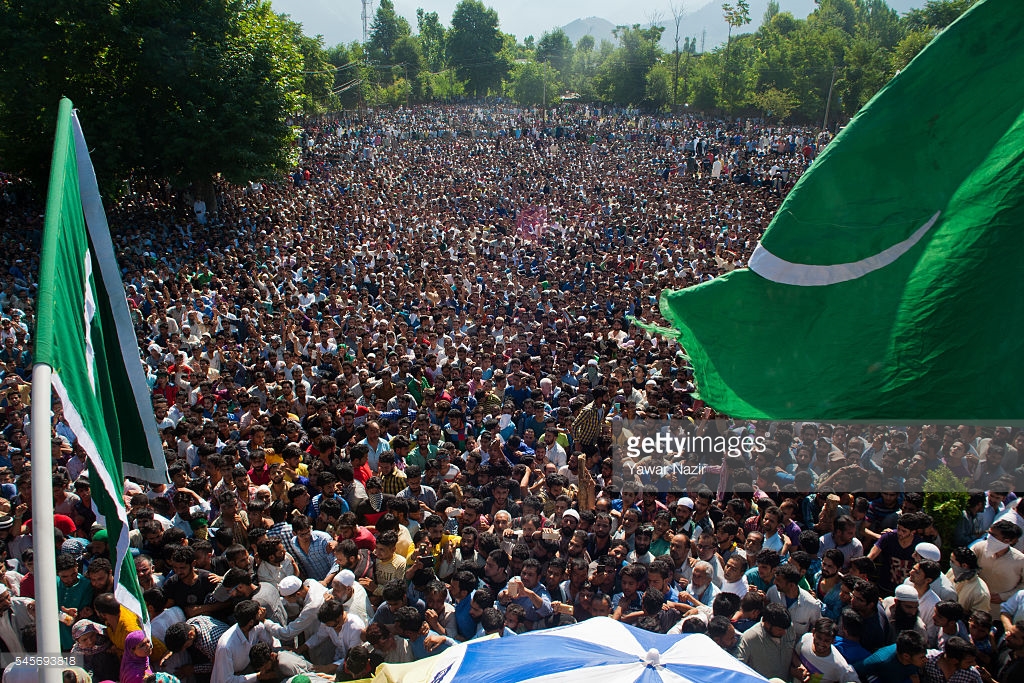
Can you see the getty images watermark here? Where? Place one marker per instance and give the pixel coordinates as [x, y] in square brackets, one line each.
[666, 453]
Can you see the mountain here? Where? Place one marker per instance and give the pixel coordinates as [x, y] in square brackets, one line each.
[600, 28]
[706, 24]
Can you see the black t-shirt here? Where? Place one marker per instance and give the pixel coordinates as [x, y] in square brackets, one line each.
[189, 596]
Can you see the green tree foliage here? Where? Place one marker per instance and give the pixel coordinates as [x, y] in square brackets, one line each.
[622, 77]
[432, 39]
[534, 83]
[555, 49]
[776, 105]
[659, 87]
[936, 14]
[317, 72]
[908, 47]
[945, 499]
[167, 89]
[387, 29]
[474, 47]
[350, 74]
[408, 57]
[736, 15]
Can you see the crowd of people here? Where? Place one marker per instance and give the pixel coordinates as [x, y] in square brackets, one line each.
[389, 385]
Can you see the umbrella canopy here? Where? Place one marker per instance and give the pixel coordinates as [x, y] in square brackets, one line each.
[599, 650]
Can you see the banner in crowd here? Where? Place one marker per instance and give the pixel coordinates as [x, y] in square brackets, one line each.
[85, 335]
[885, 287]
[532, 222]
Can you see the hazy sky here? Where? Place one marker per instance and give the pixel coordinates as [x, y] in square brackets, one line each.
[339, 20]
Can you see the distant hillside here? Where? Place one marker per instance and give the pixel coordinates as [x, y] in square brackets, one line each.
[600, 28]
[707, 23]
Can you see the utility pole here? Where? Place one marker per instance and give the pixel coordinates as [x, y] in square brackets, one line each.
[544, 91]
[828, 100]
[365, 16]
[703, 35]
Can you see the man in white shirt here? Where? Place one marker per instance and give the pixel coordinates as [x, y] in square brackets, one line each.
[816, 659]
[804, 608]
[232, 658]
[342, 630]
[309, 595]
[352, 595]
[734, 576]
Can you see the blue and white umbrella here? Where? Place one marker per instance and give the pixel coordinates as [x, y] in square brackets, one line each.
[598, 650]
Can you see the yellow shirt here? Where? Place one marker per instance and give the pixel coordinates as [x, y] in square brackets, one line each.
[127, 623]
[302, 471]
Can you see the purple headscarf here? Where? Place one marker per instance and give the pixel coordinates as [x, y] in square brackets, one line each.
[134, 669]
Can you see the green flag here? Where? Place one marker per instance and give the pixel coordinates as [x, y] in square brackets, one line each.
[887, 287]
[84, 334]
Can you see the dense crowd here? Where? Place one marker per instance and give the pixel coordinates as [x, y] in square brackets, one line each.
[388, 388]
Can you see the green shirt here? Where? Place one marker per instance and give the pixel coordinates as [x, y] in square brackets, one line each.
[76, 596]
[419, 459]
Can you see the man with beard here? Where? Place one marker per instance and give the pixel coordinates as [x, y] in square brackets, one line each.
[707, 551]
[828, 584]
[767, 647]
[189, 587]
[804, 609]
[198, 636]
[902, 611]
[641, 546]
[352, 595]
[14, 616]
[600, 539]
[238, 585]
[921, 577]
[577, 547]
[814, 656]
[679, 553]
[496, 571]
[843, 537]
[701, 588]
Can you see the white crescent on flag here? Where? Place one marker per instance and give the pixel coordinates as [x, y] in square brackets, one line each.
[771, 267]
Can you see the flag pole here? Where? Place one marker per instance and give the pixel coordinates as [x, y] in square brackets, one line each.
[47, 613]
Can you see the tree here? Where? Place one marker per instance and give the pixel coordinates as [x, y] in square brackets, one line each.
[777, 104]
[555, 48]
[533, 83]
[677, 19]
[473, 46]
[386, 30]
[936, 14]
[165, 90]
[622, 78]
[317, 72]
[431, 39]
[736, 16]
[350, 81]
[659, 88]
[409, 58]
[909, 46]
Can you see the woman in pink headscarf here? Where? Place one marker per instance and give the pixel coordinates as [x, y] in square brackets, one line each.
[135, 662]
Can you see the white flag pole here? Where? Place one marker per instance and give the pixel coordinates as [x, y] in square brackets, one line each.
[47, 612]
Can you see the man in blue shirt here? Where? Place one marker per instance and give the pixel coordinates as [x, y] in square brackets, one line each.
[895, 663]
[463, 587]
[527, 590]
[409, 624]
